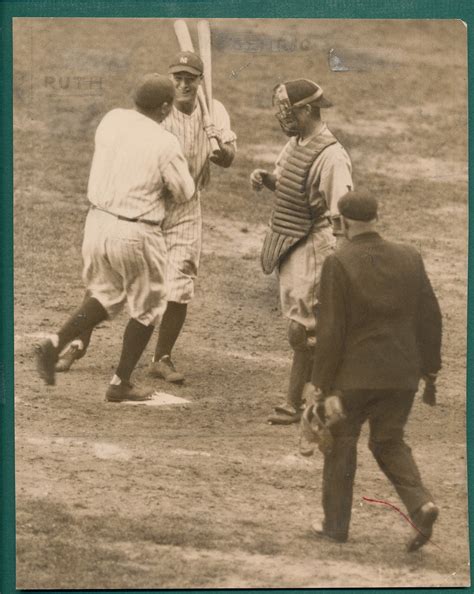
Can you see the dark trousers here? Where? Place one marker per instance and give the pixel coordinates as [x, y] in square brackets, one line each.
[387, 412]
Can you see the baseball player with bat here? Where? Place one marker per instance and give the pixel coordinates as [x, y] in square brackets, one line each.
[136, 164]
[203, 140]
[311, 173]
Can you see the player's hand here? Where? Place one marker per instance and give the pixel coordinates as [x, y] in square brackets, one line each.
[256, 179]
[213, 132]
[224, 156]
[429, 393]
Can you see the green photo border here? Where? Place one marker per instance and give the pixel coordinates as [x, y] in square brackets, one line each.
[350, 9]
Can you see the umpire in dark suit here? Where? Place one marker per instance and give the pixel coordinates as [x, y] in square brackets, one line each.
[379, 333]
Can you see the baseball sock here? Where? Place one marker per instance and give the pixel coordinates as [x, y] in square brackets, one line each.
[85, 337]
[171, 324]
[85, 318]
[135, 339]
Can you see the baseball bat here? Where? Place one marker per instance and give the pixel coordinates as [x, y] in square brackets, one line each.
[204, 36]
[186, 45]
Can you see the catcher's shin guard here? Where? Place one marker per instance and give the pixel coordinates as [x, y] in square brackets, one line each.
[300, 370]
[301, 367]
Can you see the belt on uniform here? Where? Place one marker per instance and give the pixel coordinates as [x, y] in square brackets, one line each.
[122, 218]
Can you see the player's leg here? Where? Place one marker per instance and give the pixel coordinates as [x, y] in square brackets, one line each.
[135, 341]
[89, 314]
[183, 243]
[103, 298]
[76, 349]
[142, 264]
[298, 278]
[170, 328]
[290, 411]
[301, 365]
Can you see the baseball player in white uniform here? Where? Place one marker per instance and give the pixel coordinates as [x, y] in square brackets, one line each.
[136, 165]
[182, 226]
[311, 173]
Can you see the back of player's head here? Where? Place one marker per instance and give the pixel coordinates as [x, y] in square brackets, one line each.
[152, 91]
[358, 206]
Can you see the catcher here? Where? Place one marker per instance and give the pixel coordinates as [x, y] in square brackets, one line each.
[311, 173]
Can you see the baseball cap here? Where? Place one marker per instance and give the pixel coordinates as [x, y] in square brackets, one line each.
[303, 91]
[186, 62]
[358, 206]
[153, 90]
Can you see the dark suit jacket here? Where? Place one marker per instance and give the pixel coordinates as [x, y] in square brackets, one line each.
[379, 325]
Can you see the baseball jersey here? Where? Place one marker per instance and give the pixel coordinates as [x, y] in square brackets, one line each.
[136, 162]
[193, 139]
[182, 225]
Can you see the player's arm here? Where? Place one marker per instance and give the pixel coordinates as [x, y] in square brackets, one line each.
[334, 182]
[260, 178]
[177, 179]
[225, 136]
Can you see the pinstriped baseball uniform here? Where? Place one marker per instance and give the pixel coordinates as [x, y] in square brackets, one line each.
[136, 161]
[182, 226]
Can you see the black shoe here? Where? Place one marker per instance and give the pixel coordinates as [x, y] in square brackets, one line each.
[46, 357]
[165, 369]
[318, 529]
[126, 391]
[423, 519]
[66, 360]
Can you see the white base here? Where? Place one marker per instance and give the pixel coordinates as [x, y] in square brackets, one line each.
[160, 399]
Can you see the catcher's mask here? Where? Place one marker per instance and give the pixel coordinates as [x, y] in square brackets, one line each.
[314, 430]
[285, 114]
[316, 422]
[293, 94]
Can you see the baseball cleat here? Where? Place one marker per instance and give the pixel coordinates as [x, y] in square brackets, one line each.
[424, 519]
[318, 529]
[46, 357]
[165, 369]
[127, 391]
[66, 360]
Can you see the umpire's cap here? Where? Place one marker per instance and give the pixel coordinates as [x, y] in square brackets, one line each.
[152, 91]
[186, 62]
[303, 91]
[358, 206]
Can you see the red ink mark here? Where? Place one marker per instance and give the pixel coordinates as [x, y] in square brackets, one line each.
[402, 514]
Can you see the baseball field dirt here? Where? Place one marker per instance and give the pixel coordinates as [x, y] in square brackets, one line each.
[207, 495]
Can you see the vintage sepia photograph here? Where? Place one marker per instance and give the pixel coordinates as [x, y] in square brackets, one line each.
[240, 303]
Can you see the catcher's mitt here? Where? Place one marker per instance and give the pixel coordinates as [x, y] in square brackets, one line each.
[316, 421]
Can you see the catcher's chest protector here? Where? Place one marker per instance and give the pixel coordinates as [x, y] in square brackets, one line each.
[292, 217]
